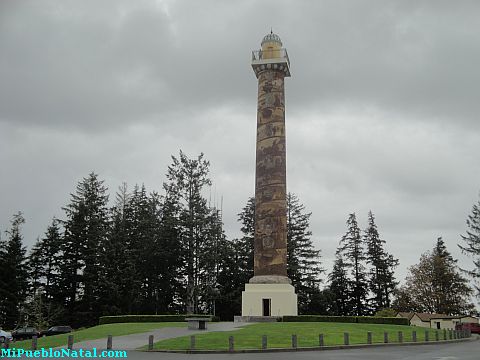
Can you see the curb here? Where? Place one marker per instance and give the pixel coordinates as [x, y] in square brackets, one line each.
[314, 348]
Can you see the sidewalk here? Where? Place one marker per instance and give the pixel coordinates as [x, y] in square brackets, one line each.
[134, 341]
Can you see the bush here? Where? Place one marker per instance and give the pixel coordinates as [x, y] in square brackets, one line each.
[382, 320]
[150, 318]
[347, 319]
[319, 318]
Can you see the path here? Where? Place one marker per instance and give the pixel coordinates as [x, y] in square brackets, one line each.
[134, 341]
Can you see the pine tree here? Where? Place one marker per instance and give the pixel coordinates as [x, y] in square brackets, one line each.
[14, 265]
[236, 264]
[186, 180]
[3, 279]
[381, 277]
[302, 258]
[119, 280]
[170, 261]
[303, 264]
[471, 242]
[44, 262]
[86, 228]
[436, 285]
[340, 288]
[245, 245]
[351, 248]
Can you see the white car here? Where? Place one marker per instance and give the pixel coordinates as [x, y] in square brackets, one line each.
[4, 335]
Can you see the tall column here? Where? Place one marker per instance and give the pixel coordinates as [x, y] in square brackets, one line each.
[270, 257]
[269, 292]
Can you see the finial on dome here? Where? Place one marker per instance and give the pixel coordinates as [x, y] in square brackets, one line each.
[272, 38]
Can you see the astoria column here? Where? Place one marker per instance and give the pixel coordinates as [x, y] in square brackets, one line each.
[269, 292]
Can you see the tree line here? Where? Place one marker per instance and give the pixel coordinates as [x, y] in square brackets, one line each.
[152, 253]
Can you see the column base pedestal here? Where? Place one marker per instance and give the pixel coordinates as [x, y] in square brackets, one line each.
[269, 300]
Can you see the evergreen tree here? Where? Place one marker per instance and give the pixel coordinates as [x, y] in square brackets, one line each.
[15, 283]
[303, 264]
[352, 250]
[3, 279]
[119, 280]
[245, 245]
[435, 285]
[186, 180]
[302, 258]
[236, 264]
[44, 261]
[231, 278]
[381, 277]
[86, 228]
[471, 242]
[340, 288]
[169, 281]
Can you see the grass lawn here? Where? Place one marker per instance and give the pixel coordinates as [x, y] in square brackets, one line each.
[279, 335]
[96, 332]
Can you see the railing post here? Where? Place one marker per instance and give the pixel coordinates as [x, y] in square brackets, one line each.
[321, 342]
[385, 337]
[150, 342]
[427, 335]
[414, 336]
[231, 344]
[346, 338]
[70, 342]
[400, 337]
[437, 336]
[444, 334]
[192, 342]
[294, 341]
[109, 342]
[369, 337]
[264, 342]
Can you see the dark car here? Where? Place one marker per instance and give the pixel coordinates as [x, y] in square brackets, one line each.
[24, 333]
[473, 327]
[55, 330]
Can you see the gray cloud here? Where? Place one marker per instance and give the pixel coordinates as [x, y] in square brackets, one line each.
[381, 107]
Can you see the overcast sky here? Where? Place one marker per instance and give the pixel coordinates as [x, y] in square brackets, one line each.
[381, 109]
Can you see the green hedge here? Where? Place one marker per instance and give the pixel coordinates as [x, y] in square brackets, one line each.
[150, 318]
[347, 319]
[319, 318]
[382, 320]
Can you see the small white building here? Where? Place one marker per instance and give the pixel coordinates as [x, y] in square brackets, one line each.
[469, 319]
[433, 321]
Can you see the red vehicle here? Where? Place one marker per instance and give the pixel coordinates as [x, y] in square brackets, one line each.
[473, 327]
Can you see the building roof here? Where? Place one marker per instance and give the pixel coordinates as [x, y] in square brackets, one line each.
[407, 315]
[427, 317]
[271, 38]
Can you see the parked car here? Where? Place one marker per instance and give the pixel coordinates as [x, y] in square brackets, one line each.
[4, 335]
[473, 327]
[55, 330]
[24, 333]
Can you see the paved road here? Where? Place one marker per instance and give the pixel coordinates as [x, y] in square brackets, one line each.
[457, 351]
[469, 350]
[134, 341]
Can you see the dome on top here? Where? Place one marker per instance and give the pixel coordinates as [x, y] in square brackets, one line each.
[271, 38]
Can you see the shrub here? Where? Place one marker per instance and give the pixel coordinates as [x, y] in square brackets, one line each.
[150, 318]
[347, 319]
[382, 320]
[319, 318]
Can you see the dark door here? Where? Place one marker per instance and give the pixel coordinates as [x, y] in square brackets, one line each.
[267, 304]
[438, 325]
